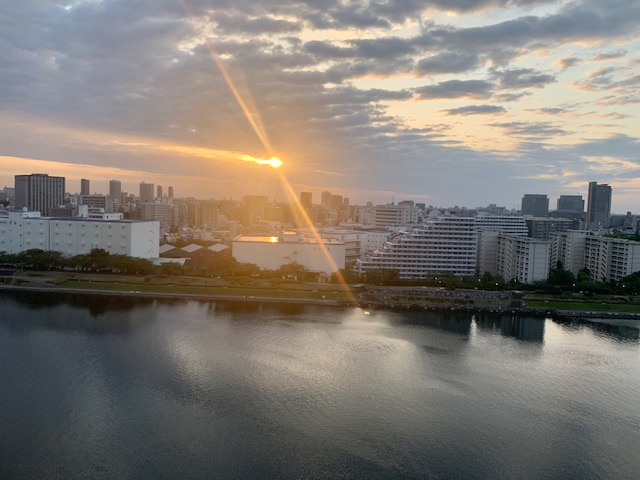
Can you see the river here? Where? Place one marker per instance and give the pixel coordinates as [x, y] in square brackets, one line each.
[111, 387]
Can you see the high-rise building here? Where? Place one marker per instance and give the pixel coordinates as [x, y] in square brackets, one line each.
[543, 228]
[39, 192]
[306, 200]
[391, 214]
[570, 204]
[442, 244]
[97, 202]
[170, 192]
[146, 192]
[325, 199]
[115, 190]
[523, 259]
[598, 204]
[159, 191]
[535, 204]
[9, 193]
[336, 202]
[85, 188]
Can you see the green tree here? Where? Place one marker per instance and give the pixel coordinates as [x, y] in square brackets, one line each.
[347, 275]
[560, 276]
[293, 270]
[38, 259]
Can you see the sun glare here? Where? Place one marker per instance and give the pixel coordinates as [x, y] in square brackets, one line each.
[274, 162]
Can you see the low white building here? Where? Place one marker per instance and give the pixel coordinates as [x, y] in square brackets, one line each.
[324, 255]
[23, 230]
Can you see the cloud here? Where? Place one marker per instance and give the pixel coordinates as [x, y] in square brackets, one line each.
[569, 62]
[539, 130]
[258, 25]
[601, 57]
[306, 71]
[456, 89]
[551, 110]
[476, 110]
[448, 62]
[521, 78]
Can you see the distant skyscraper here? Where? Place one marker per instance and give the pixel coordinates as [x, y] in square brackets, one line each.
[535, 204]
[115, 190]
[170, 192]
[598, 204]
[570, 203]
[336, 202]
[85, 188]
[325, 199]
[146, 192]
[39, 192]
[306, 200]
[159, 191]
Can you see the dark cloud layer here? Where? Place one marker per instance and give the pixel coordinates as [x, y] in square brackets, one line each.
[144, 68]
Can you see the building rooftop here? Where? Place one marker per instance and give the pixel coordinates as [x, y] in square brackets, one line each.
[256, 239]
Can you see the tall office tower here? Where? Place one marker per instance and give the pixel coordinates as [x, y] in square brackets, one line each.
[146, 192]
[306, 200]
[85, 188]
[570, 203]
[325, 199]
[535, 204]
[170, 192]
[115, 190]
[336, 202]
[159, 191]
[598, 204]
[39, 192]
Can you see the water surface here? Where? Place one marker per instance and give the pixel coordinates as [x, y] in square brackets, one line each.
[108, 387]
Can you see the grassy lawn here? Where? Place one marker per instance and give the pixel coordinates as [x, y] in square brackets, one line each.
[584, 306]
[238, 291]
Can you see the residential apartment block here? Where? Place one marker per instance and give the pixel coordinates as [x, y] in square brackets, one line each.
[522, 259]
[441, 244]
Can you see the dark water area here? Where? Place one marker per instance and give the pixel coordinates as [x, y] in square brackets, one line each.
[113, 387]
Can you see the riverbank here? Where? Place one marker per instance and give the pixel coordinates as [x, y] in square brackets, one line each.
[367, 297]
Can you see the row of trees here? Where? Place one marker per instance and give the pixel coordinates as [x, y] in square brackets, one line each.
[225, 266]
[99, 260]
[558, 280]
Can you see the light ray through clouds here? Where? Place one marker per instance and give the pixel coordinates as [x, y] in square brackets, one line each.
[253, 116]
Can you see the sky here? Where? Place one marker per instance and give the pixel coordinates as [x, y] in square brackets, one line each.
[447, 102]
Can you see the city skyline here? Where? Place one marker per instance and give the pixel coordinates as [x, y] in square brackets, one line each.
[447, 103]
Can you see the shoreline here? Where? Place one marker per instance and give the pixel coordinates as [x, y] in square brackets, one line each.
[450, 307]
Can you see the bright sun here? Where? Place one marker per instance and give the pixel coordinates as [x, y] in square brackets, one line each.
[274, 162]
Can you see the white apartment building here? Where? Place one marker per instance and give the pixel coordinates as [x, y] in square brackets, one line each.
[611, 259]
[568, 249]
[324, 255]
[607, 258]
[23, 230]
[523, 259]
[441, 244]
[489, 228]
[509, 225]
[402, 214]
